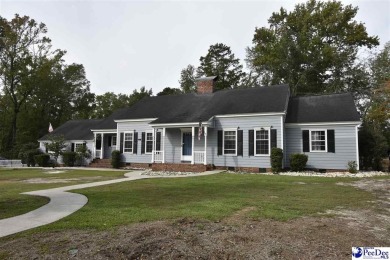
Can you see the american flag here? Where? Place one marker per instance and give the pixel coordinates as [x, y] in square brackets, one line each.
[200, 130]
[50, 128]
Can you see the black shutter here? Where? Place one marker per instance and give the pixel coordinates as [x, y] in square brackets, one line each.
[251, 143]
[273, 138]
[135, 142]
[220, 132]
[305, 141]
[121, 142]
[240, 142]
[109, 140]
[143, 143]
[158, 141]
[72, 147]
[331, 143]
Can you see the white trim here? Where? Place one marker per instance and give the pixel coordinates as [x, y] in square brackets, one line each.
[323, 123]
[310, 141]
[146, 141]
[205, 145]
[109, 131]
[75, 143]
[172, 125]
[193, 144]
[357, 148]
[251, 114]
[269, 141]
[163, 146]
[132, 141]
[223, 141]
[134, 120]
[282, 139]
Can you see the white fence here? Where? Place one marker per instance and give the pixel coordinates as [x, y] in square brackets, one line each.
[11, 163]
[98, 153]
[198, 157]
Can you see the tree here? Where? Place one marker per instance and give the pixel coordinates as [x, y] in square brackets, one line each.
[187, 79]
[220, 61]
[109, 102]
[169, 91]
[138, 95]
[312, 48]
[56, 145]
[23, 46]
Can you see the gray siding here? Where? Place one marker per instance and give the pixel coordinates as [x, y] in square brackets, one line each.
[138, 127]
[345, 143]
[245, 124]
[89, 144]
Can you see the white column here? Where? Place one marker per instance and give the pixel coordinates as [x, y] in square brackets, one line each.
[205, 145]
[192, 147]
[102, 146]
[94, 145]
[163, 145]
[153, 143]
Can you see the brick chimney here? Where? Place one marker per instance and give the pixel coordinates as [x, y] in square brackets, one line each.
[205, 85]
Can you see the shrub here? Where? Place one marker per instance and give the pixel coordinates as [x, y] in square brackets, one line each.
[352, 167]
[82, 155]
[29, 157]
[42, 159]
[116, 159]
[298, 162]
[69, 158]
[276, 160]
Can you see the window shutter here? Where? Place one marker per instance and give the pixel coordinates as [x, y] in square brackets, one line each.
[143, 143]
[240, 134]
[135, 145]
[158, 141]
[305, 141]
[251, 137]
[109, 140]
[121, 142]
[331, 142]
[274, 142]
[220, 132]
[72, 147]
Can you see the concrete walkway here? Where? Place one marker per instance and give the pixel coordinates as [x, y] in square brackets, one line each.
[63, 203]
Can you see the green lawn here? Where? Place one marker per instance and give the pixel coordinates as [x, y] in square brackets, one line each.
[211, 197]
[12, 183]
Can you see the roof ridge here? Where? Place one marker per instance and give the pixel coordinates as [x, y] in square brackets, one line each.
[322, 95]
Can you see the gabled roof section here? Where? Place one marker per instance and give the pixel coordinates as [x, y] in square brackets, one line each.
[75, 130]
[201, 107]
[324, 108]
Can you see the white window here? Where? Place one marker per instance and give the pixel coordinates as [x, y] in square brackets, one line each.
[113, 140]
[230, 142]
[262, 141]
[318, 141]
[149, 142]
[77, 146]
[128, 142]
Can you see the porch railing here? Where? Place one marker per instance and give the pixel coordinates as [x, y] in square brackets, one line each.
[198, 157]
[98, 153]
[158, 156]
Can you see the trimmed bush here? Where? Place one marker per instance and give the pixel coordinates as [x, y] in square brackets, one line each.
[116, 159]
[29, 157]
[298, 162]
[276, 160]
[42, 159]
[69, 158]
[352, 167]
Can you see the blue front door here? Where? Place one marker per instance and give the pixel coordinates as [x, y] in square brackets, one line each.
[187, 146]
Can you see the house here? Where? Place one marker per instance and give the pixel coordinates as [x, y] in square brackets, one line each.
[227, 129]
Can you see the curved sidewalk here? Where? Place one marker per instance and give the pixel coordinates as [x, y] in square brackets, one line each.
[63, 203]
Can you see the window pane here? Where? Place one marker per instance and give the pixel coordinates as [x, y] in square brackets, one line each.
[149, 142]
[262, 142]
[229, 142]
[318, 141]
[128, 143]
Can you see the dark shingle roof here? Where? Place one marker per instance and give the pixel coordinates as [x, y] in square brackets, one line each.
[324, 108]
[75, 130]
[194, 107]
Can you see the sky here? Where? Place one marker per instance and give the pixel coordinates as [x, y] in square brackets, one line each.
[125, 45]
